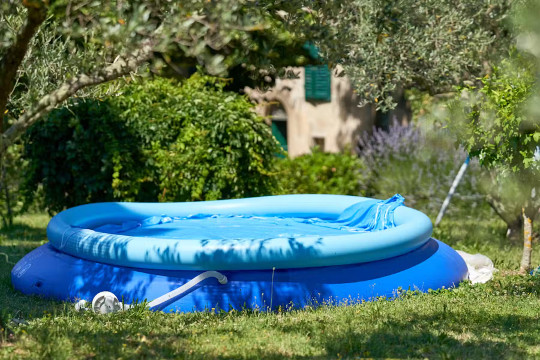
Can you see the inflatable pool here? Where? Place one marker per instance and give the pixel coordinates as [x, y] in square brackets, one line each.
[288, 250]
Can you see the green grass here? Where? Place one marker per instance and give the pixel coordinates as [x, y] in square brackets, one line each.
[495, 320]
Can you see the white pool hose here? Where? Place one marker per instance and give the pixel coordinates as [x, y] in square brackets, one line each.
[187, 286]
[106, 302]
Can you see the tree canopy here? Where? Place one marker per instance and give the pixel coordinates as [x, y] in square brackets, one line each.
[53, 49]
[430, 45]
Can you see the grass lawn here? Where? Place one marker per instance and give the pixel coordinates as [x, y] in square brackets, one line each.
[500, 319]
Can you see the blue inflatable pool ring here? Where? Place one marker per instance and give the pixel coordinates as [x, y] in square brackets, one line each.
[255, 252]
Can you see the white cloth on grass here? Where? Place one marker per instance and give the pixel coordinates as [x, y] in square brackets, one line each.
[480, 267]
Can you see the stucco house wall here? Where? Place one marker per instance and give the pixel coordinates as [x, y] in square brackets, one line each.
[332, 125]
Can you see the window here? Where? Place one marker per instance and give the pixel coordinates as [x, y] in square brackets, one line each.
[317, 83]
[279, 126]
[319, 142]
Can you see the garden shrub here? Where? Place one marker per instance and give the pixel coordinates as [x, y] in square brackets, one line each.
[224, 150]
[420, 165]
[159, 140]
[321, 173]
[74, 153]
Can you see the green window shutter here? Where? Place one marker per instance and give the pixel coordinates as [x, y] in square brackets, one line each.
[317, 83]
[279, 130]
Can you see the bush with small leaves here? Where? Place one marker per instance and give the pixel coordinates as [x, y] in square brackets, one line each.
[321, 173]
[159, 140]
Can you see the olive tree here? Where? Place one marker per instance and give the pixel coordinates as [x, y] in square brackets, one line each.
[493, 124]
[53, 50]
[499, 123]
[431, 45]
[529, 41]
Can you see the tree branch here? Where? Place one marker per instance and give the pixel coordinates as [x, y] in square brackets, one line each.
[15, 54]
[121, 67]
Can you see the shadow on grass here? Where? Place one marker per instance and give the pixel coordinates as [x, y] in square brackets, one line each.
[27, 233]
[16, 305]
[24, 232]
[10, 254]
[460, 329]
[430, 336]
[483, 337]
[457, 333]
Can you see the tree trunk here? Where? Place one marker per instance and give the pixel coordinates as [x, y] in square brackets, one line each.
[2, 215]
[2, 185]
[9, 210]
[12, 59]
[527, 243]
[510, 215]
[514, 230]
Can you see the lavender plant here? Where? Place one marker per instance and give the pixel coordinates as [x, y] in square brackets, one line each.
[418, 163]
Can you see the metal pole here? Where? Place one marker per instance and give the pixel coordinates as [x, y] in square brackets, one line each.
[455, 184]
